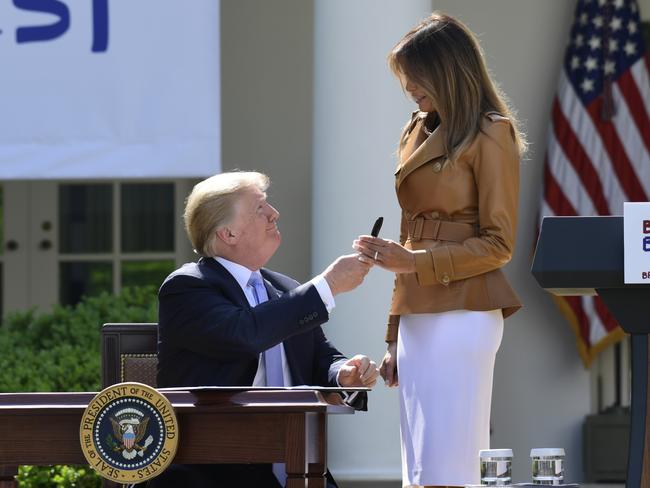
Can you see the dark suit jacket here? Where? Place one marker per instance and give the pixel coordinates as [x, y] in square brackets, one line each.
[208, 335]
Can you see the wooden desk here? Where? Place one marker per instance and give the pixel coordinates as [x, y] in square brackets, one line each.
[215, 426]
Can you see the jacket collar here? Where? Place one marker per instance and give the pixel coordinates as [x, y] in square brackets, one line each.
[224, 274]
[433, 147]
[241, 273]
[272, 292]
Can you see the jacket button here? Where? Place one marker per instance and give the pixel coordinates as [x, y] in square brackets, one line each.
[445, 279]
[437, 167]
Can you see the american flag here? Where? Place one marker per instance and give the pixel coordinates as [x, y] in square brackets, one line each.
[598, 153]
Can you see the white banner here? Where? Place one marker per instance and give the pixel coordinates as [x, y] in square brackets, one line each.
[109, 89]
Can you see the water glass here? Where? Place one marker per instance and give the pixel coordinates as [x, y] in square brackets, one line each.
[496, 467]
[548, 466]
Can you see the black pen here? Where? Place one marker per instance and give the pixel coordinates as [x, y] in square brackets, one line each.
[377, 227]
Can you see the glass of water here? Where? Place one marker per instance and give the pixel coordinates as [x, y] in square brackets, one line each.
[496, 467]
[548, 466]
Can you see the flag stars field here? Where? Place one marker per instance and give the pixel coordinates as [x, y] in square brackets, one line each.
[575, 62]
[594, 43]
[587, 85]
[591, 64]
[630, 48]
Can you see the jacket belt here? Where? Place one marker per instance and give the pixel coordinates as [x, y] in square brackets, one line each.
[440, 230]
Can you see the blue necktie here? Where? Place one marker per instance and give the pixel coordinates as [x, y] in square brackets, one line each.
[272, 361]
[272, 356]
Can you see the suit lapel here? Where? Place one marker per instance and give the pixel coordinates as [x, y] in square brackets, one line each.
[271, 291]
[433, 147]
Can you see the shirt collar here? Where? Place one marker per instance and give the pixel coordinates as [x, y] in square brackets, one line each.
[241, 273]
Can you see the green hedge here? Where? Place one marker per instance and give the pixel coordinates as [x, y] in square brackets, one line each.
[57, 476]
[60, 351]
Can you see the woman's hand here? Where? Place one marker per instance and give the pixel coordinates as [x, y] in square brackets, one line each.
[388, 368]
[386, 253]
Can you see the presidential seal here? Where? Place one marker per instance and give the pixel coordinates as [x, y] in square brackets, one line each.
[129, 433]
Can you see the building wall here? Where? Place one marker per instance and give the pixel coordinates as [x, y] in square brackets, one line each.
[266, 96]
[644, 8]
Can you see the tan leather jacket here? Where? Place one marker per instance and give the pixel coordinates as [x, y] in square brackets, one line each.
[461, 219]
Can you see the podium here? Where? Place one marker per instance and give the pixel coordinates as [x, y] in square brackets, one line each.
[215, 426]
[584, 256]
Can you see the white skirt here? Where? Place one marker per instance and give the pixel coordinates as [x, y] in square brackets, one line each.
[445, 364]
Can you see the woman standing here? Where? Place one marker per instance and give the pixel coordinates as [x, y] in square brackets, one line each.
[457, 183]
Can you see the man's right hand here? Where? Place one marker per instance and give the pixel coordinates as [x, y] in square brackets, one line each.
[388, 368]
[346, 273]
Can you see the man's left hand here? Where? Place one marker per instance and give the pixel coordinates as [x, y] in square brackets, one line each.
[358, 371]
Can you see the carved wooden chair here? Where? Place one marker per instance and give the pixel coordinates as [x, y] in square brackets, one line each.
[129, 353]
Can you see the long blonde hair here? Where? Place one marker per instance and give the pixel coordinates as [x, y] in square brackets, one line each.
[444, 58]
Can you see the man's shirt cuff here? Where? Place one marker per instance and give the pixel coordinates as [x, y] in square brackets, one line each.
[324, 291]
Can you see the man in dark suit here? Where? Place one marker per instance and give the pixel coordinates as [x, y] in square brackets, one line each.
[227, 321]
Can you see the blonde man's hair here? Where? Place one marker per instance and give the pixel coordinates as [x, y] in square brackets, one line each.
[212, 203]
[444, 57]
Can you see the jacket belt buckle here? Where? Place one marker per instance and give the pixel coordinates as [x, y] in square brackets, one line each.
[417, 230]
